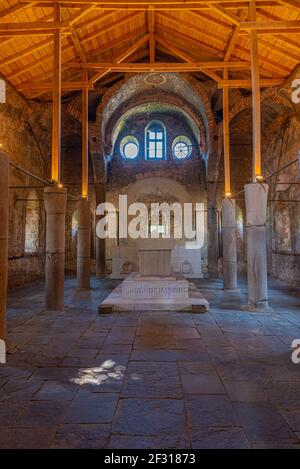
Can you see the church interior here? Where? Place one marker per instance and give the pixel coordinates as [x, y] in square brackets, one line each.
[118, 342]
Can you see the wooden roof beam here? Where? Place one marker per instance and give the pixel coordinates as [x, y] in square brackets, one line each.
[162, 66]
[159, 4]
[270, 25]
[48, 86]
[40, 26]
[165, 6]
[240, 83]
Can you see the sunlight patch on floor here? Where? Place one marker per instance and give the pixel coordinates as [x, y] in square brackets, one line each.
[98, 375]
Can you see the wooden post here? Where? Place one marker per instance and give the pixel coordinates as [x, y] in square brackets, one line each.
[256, 113]
[226, 137]
[56, 109]
[85, 139]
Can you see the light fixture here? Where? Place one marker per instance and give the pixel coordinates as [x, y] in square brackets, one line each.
[259, 178]
[228, 194]
[60, 186]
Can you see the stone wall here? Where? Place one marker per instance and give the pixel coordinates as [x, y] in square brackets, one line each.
[26, 145]
[282, 147]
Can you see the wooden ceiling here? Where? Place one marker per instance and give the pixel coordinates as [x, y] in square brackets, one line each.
[109, 38]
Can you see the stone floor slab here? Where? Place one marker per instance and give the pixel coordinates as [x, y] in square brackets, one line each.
[149, 417]
[92, 408]
[150, 379]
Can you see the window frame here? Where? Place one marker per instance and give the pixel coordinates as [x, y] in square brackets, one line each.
[184, 139]
[160, 129]
[125, 141]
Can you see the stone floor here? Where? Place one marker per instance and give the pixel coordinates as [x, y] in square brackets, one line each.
[150, 380]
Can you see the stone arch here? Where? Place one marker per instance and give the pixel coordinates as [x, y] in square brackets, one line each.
[198, 90]
[245, 102]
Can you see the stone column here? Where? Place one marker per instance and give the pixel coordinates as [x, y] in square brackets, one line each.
[212, 229]
[55, 199]
[4, 212]
[84, 245]
[100, 257]
[256, 196]
[229, 244]
[100, 190]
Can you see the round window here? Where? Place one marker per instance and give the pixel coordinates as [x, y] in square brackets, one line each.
[129, 147]
[182, 147]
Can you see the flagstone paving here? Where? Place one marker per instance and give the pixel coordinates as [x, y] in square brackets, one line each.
[224, 379]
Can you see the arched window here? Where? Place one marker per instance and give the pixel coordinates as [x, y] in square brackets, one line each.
[32, 224]
[155, 141]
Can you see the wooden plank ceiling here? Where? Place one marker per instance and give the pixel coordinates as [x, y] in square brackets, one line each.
[102, 35]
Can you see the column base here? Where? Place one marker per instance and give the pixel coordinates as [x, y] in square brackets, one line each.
[262, 307]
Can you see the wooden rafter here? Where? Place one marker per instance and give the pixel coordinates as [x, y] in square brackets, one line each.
[182, 55]
[151, 30]
[79, 15]
[16, 9]
[77, 44]
[120, 58]
[231, 17]
[198, 32]
[48, 57]
[290, 3]
[188, 40]
[233, 38]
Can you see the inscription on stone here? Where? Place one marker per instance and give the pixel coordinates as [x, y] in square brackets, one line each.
[163, 289]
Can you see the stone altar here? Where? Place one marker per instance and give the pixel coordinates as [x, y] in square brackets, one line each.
[155, 256]
[154, 288]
